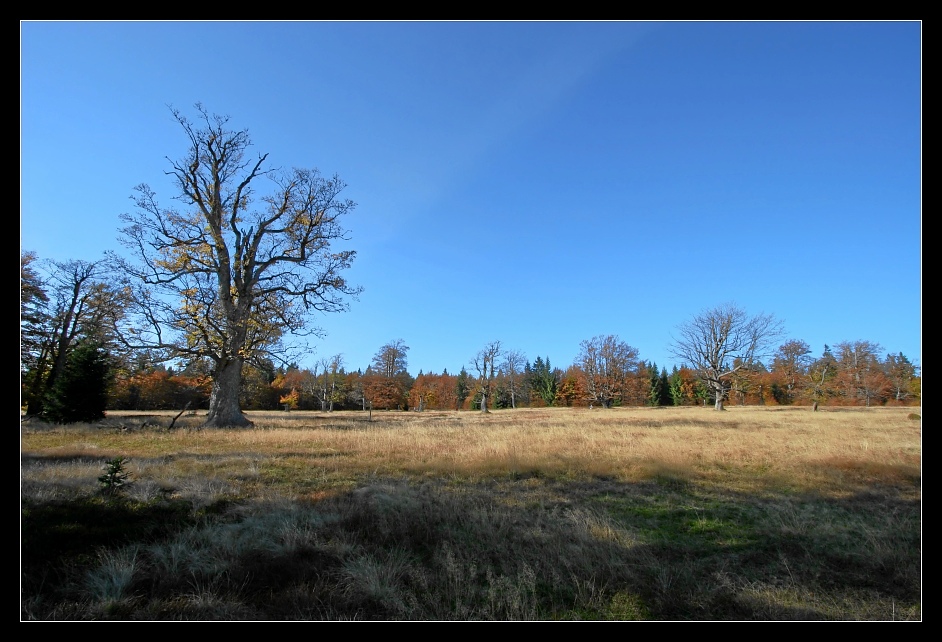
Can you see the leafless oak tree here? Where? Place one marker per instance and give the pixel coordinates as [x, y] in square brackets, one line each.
[512, 366]
[485, 362]
[718, 342]
[233, 271]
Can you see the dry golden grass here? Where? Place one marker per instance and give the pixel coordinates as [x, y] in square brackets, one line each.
[625, 513]
[751, 448]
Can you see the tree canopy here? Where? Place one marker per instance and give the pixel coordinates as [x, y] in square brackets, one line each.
[227, 273]
[721, 341]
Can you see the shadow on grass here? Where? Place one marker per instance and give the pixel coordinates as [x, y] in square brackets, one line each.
[504, 549]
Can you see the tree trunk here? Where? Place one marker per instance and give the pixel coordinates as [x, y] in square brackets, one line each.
[484, 402]
[224, 410]
[814, 406]
[719, 400]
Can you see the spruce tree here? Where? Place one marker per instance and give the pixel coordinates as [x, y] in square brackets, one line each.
[543, 380]
[462, 387]
[676, 387]
[80, 393]
[665, 389]
[654, 385]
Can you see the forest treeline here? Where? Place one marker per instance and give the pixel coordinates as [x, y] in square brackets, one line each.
[850, 374]
[70, 314]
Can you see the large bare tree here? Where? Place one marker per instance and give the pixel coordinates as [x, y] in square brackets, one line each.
[719, 342]
[233, 270]
[607, 363]
[513, 366]
[485, 362]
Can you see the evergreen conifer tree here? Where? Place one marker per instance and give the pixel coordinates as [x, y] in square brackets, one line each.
[80, 393]
[462, 387]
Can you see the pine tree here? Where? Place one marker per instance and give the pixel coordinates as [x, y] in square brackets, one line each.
[80, 392]
[655, 392]
[666, 399]
[543, 380]
[462, 387]
[676, 387]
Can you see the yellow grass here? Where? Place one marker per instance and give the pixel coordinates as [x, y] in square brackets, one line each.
[746, 448]
[625, 513]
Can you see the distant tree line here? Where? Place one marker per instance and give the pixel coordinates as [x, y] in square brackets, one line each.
[74, 365]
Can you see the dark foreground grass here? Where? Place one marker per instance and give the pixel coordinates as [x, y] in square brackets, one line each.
[517, 545]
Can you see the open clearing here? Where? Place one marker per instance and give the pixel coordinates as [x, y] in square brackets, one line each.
[756, 513]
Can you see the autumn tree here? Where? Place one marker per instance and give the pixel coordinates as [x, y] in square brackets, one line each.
[146, 390]
[290, 386]
[387, 381]
[901, 373]
[571, 391]
[437, 391]
[742, 380]
[682, 385]
[422, 394]
[644, 387]
[860, 372]
[608, 364]
[818, 385]
[719, 342]
[485, 363]
[231, 271]
[790, 363]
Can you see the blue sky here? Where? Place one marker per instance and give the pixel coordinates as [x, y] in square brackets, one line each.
[536, 183]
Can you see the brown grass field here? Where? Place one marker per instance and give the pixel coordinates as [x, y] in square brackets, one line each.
[756, 513]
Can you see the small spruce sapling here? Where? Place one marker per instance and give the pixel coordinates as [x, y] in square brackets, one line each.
[116, 476]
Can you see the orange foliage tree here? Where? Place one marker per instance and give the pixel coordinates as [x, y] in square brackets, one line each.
[682, 385]
[607, 364]
[434, 391]
[860, 376]
[571, 390]
[159, 389]
[386, 382]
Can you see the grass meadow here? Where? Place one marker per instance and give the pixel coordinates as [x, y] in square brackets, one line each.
[671, 514]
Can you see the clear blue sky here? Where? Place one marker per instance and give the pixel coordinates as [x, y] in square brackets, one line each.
[537, 183]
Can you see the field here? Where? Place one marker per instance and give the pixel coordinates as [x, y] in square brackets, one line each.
[531, 514]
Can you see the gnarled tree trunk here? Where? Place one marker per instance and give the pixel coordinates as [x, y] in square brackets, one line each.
[224, 409]
[720, 392]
